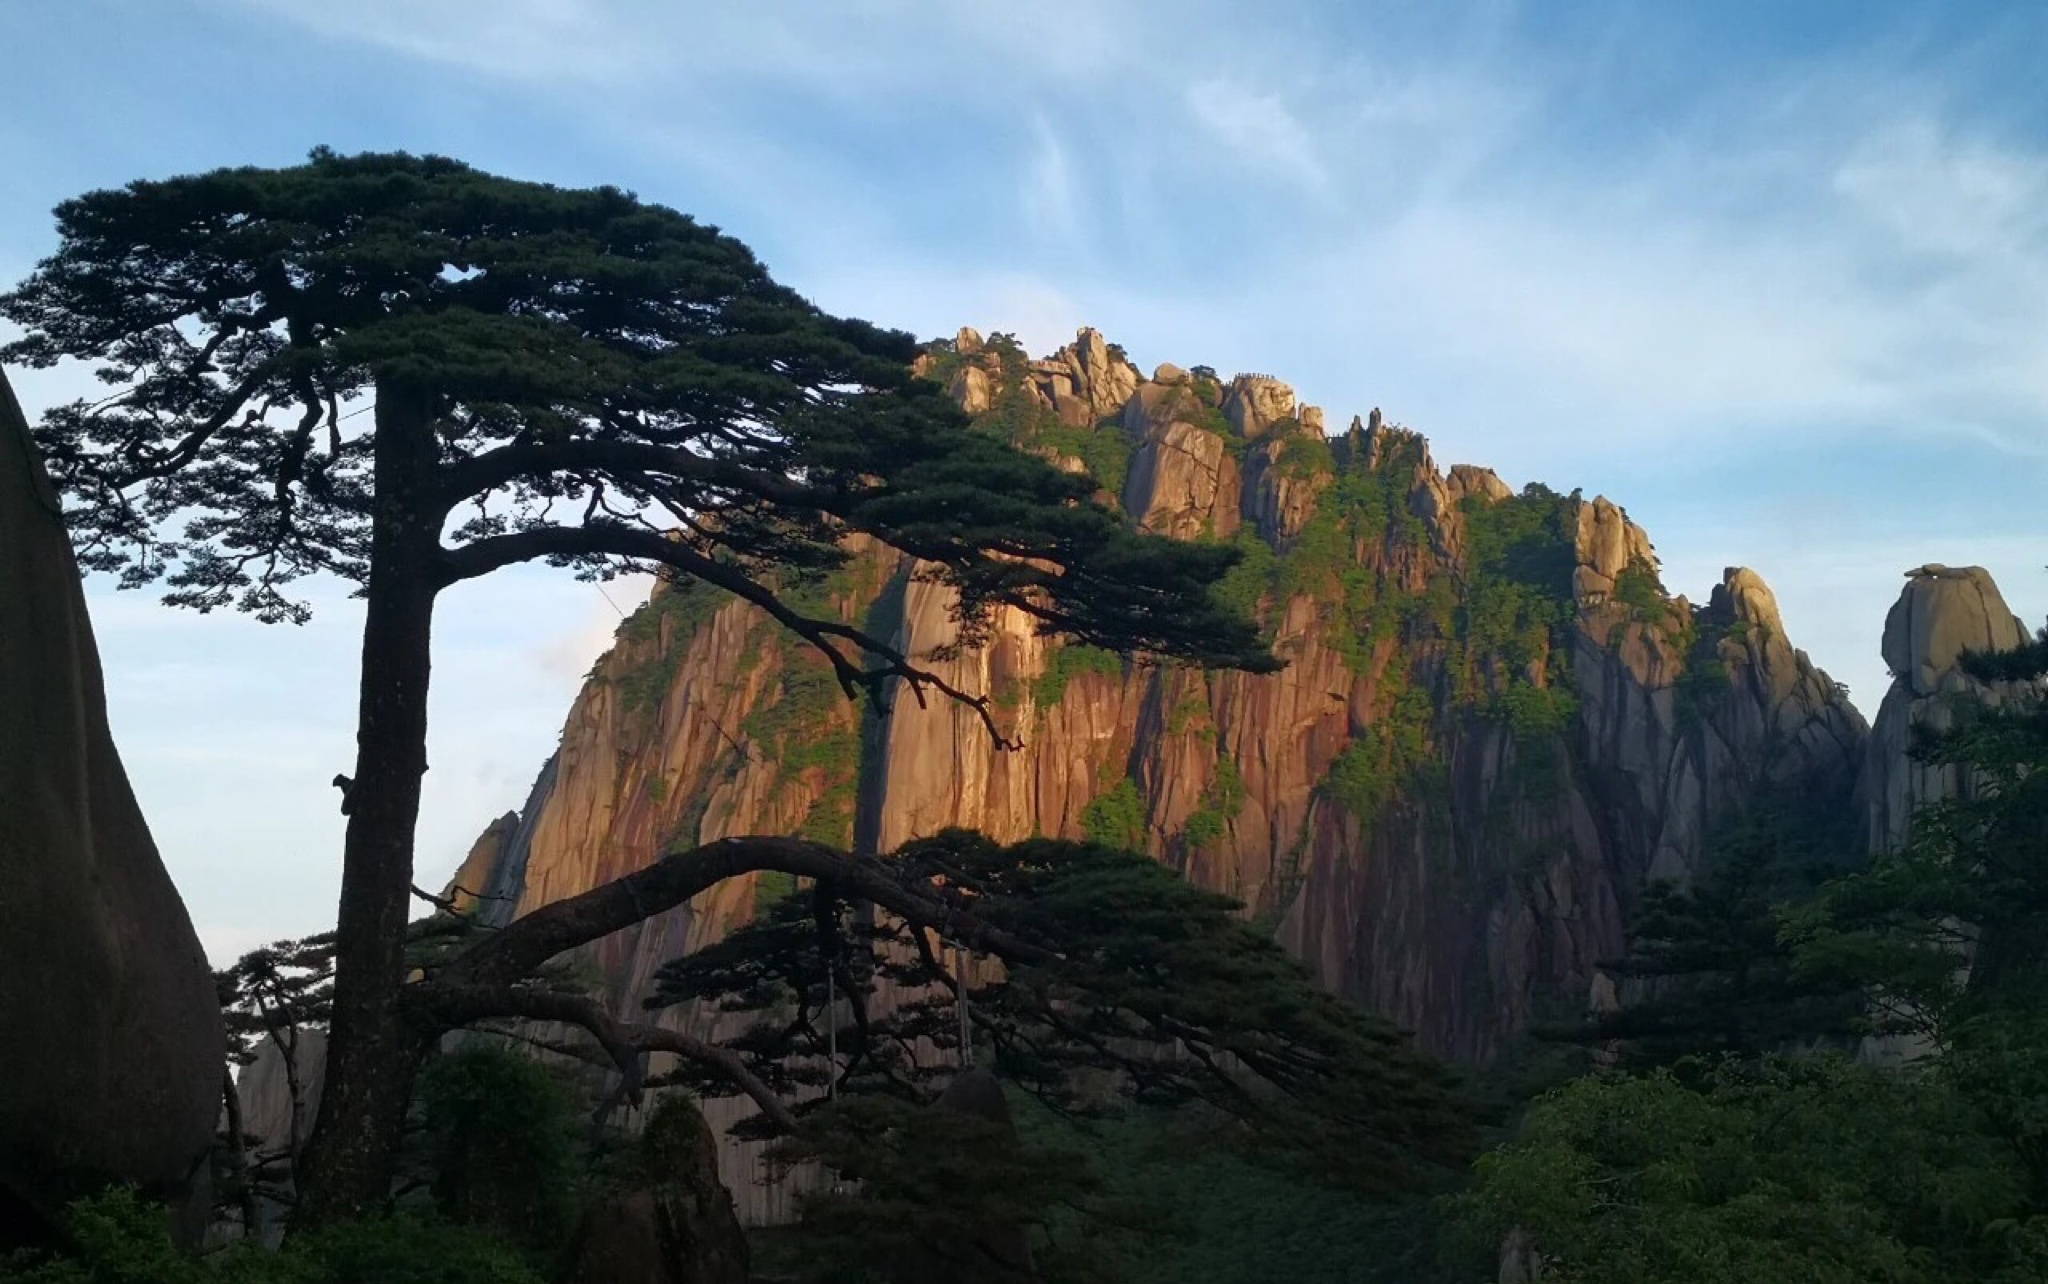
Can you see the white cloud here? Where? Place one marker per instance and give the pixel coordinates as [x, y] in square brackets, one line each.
[570, 655]
[1932, 192]
[554, 40]
[1258, 130]
[1050, 194]
[633, 45]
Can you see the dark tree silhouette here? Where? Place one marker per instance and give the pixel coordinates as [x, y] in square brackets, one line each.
[407, 373]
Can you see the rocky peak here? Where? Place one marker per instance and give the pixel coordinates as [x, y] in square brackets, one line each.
[1254, 403]
[1941, 613]
[1609, 545]
[1743, 595]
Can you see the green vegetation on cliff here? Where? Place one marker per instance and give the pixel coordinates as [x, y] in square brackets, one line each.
[1391, 752]
[1221, 803]
[1020, 418]
[1065, 663]
[1517, 600]
[1116, 817]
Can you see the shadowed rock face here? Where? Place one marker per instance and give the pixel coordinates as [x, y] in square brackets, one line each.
[1445, 812]
[676, 1226]
[111, 1044]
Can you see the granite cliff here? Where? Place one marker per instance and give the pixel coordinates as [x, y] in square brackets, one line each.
[1495, 723]
[110, 1032]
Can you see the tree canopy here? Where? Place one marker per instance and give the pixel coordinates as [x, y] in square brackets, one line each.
[1113, 971]
[1760, 1167]
[572, 376]
[608, 382]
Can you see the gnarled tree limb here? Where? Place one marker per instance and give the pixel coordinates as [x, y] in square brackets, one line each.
[451, 1005]
[516, 950]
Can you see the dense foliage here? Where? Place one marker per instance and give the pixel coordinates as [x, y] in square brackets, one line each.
[1718, 972]
[1141, 974]
[1761, 1167]
[500, 1146]
[1777, 1173]
[118, 1239]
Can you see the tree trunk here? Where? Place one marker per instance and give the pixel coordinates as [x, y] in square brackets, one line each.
[238, 1158]
[372, 1052]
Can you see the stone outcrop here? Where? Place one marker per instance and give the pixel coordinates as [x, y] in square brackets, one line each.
[1493, 726]
[1942, 613]
[111, 1055]
[674, 1224]
[280, 1098]
[470, 884]
[280, 1091]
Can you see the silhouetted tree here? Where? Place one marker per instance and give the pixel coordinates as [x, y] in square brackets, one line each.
[407, 373]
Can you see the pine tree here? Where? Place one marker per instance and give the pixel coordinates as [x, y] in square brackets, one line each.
[1115, 971]
[1716, 971]
[406, 373]
[1947, 937]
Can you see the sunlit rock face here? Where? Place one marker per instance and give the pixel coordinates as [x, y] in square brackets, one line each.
[1493, 726]
[111, 1044]
[1941, 613]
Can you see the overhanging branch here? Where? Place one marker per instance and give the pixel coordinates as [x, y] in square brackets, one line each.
[614, 540]
[520, 947]
[451, 1006]
[625, 460]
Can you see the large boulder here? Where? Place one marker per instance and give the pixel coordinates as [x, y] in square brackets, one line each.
[1943, 612]
[675, 1224]
[111, 1045]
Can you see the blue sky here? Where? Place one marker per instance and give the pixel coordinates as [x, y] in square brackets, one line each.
[1774, 277]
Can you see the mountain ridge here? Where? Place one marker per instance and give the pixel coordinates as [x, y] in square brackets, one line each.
[1494, 725]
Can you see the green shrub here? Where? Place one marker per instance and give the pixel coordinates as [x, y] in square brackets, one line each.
[1387, 756]
[1304, 455]
[1069, 662]
[502, 1142]
[771, 886]
[1637, 588]
[119, 1239]
[1116, 818]
[1699, 688]
[1203, 827]
[1192, 711]
[1533, 712]
[1221, 803]
[1245, 586]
